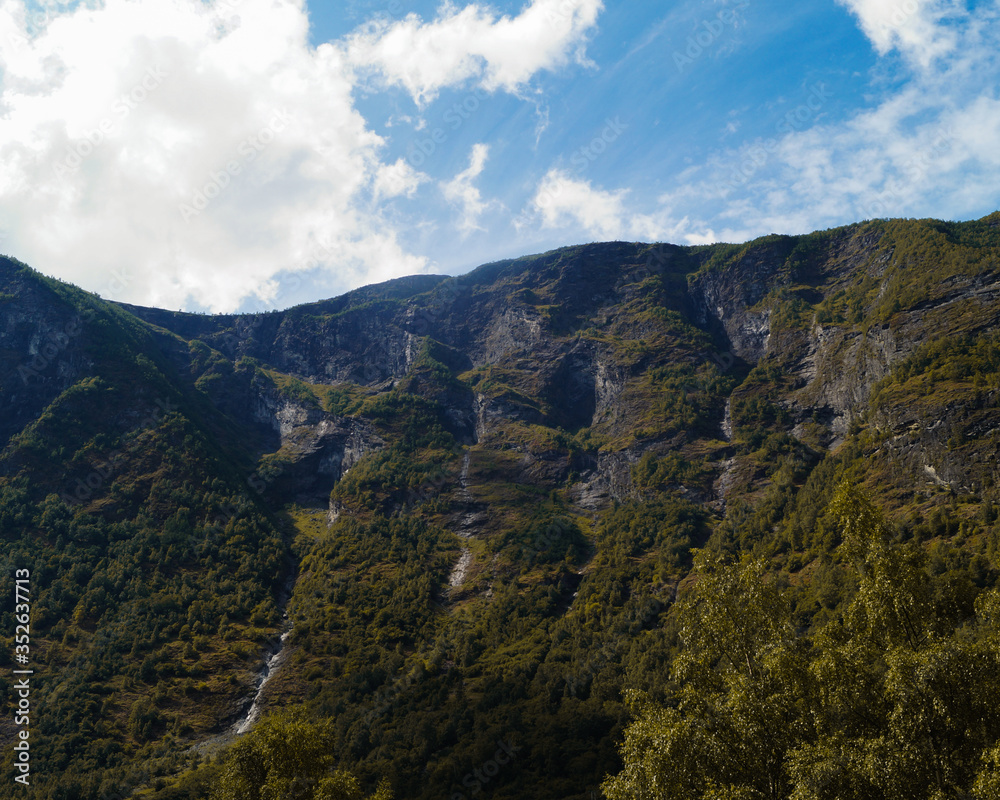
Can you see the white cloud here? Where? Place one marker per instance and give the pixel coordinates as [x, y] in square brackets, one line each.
[472, 44]
[196, 152]
[562, 202]
[397, 179]
[189, 153]
[567, 203]
[914, 27]
[461, 190]
[926, 149]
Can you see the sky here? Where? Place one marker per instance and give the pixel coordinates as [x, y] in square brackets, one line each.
[250, 155]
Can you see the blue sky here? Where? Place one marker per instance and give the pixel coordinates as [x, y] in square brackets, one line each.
[253, 154]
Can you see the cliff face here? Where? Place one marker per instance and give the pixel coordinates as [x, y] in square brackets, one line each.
[578, 339]
[41, 346]
[316, 448]
[585, 341]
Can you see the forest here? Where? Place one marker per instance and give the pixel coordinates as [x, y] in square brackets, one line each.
[620, 520]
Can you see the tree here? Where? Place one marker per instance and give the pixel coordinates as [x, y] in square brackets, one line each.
[895, 698]
[736, 711]
[284, 758]
[907, 699]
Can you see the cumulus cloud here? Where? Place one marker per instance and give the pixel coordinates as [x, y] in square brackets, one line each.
[397, 179]
[472, 44]
[914, 27]
[562, 201]
[195, 151]
[462, 191]
[189, 153]
[567, 203]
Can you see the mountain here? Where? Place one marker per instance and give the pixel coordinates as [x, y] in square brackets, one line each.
[469, 502]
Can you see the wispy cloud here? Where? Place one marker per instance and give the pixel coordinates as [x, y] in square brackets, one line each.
[654, 33]
[928, 145]
[461, 190]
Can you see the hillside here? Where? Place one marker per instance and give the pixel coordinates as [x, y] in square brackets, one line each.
[471, 502]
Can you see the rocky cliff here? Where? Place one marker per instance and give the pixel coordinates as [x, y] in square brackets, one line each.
[569, 340]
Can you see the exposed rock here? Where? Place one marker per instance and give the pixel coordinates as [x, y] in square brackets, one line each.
[457, 577]
[316, 450]
[608, 477]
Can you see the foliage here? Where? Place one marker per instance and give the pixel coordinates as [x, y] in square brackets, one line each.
[892, 700]
[420, 450]
[285, 756]
[555, 424]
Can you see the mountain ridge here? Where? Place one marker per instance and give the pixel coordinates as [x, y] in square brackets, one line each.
[475, 482]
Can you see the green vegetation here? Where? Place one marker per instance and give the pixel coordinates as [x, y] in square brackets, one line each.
[342, 400]
[892, 699]
[152, 589]
[284, 757]
[421, 449]
[603, 517]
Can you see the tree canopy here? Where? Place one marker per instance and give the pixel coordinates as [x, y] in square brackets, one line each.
[894, 698]
[287, 757]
